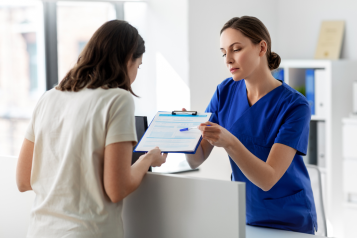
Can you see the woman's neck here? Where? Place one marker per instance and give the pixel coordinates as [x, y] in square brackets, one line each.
[259, 84]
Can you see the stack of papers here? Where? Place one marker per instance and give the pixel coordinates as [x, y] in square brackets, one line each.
[164, 132]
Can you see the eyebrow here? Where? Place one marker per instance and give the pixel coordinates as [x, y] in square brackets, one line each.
[231, 45]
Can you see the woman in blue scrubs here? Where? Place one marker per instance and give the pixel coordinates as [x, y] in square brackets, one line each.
[263, 124]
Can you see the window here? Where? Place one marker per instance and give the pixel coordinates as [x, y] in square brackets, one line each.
[76, 23]
[22, 70]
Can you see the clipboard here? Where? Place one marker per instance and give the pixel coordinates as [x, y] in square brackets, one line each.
[164, 132]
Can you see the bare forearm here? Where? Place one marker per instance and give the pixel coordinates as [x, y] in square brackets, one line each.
[263, 174]
[138, 171]
[23, 178]
[202, 153]
[24, 165]
[120, 177]
[24, 187]
[195, 160]
[256, 170]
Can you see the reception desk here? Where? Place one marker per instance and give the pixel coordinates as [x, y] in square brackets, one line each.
[262, 232]
[156, 202]
[174, 206]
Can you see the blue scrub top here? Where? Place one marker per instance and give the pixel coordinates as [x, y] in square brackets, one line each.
[281, 116]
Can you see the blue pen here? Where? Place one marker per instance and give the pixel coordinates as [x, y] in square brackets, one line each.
[190, 128]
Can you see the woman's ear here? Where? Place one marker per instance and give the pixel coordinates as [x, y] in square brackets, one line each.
[263, 48]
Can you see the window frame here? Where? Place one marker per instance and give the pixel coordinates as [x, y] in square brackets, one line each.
[50, 35]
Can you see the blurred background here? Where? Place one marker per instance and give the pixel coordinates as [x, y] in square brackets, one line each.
[41, 40]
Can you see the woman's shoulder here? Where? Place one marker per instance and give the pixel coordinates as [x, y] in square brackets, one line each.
[229, 82]
[98, 96]
[116, 92]
[292, 103]
[291, 96]
[98, 92]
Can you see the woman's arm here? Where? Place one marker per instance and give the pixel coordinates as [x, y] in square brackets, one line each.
[120, 178]
[24, 165]
[202, 153]
[263, 174]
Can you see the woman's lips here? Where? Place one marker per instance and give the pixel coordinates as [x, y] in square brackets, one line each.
[233, 70]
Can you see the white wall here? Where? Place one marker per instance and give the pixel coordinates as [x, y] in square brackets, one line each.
[168, 23]
[162, 83]
[299, 26]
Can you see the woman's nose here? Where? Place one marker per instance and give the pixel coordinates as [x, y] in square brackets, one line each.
[229, 59]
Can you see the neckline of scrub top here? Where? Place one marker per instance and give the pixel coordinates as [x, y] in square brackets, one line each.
[260, 99]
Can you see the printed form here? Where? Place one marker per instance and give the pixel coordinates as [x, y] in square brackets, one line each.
[164, 132]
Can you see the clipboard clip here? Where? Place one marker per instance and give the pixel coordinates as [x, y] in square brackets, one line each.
[194, 113]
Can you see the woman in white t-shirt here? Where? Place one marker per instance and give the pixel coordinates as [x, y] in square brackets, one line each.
[77, 151]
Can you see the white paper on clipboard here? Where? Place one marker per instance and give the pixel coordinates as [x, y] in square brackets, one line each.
[164, 132]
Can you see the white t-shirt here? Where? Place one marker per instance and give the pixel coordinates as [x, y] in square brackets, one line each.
[70, 131]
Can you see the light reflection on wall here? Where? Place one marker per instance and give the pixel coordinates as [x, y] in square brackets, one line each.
[144, 86]
[172, 93]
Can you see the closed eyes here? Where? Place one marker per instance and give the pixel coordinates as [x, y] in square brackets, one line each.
[237, 50]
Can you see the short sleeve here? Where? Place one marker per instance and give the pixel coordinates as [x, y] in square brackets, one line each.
[294, 131]
[30, 132]
[213, 107]
[121, 120]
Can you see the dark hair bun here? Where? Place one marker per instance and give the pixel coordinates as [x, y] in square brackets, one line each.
[274, 61]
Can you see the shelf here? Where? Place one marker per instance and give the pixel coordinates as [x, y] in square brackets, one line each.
[350, 205]
[337, 101]
[317, 118]
[305, 63]
[350, 120]
[323, 170]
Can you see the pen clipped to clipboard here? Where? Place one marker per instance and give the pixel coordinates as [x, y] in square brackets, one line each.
[164, 132]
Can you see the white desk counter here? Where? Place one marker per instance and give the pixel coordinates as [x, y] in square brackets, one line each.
[262, 232]
[172, 206]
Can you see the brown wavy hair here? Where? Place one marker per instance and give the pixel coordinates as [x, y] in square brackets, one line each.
[103, 61]
[256, 31]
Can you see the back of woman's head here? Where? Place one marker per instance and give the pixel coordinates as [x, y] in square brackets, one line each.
[256, 31]
[103, 61]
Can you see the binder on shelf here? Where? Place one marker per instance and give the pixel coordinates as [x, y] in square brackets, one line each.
[320, 82]
[310, 88]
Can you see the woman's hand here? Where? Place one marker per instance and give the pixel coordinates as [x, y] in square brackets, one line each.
[157, 158]
[202, 153]
[216, 135]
